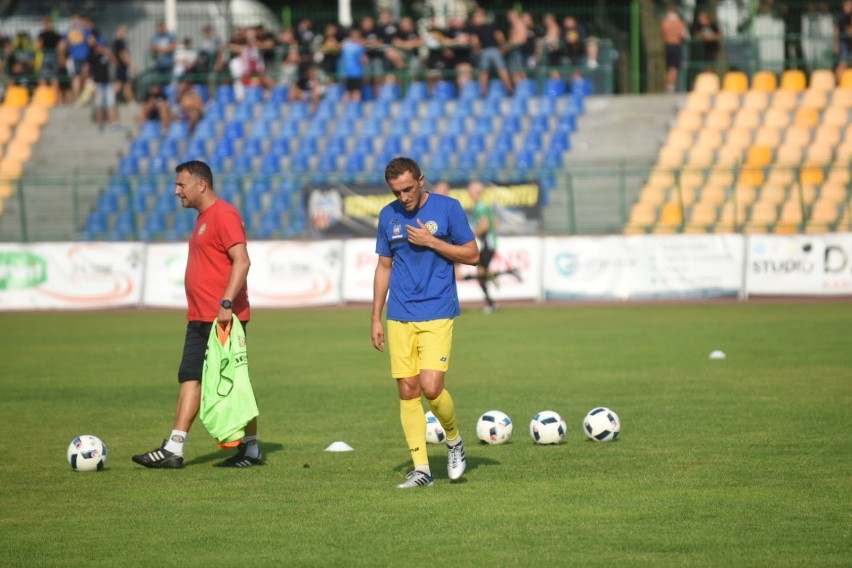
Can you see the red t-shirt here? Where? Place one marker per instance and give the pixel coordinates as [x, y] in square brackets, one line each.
[208, 267]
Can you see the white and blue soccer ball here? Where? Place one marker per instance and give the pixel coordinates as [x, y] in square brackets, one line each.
[548, 427]
[434, 431]
[601, 425]
[494, 427]
[87, 453]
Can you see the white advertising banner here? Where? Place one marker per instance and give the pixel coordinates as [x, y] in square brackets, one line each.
[799, 265]
[70, 276]
[292, 274]
[521, 253]
[165, 265]
[642, 267]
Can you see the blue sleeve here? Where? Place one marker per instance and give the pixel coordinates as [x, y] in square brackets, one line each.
[460, 231]
[382, 245]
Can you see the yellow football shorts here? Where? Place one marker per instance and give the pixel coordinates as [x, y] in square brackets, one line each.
[419, 345]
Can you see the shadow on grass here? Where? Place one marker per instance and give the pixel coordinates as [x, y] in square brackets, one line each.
[473, 462]
[266, 447]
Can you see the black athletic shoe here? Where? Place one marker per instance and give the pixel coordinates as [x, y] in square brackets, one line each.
[241, 459]
[160, 458]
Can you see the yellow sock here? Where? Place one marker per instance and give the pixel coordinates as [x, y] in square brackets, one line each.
[413, 420]
[444, 410]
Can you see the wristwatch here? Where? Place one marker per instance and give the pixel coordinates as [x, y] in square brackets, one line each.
[227, 304]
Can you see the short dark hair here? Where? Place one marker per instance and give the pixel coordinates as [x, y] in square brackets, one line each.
[198, 169]
[399, 166]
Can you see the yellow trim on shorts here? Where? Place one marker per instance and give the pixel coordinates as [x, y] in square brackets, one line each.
[419, 345]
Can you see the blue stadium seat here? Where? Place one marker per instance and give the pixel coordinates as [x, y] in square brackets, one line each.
[496, 160]
[448, 143]
[435, 109]
[214, 111]
[204, 92]
[336, 146]
[279, 95]
[344, 127]
[165, 202]
[511, 124]
[456, 126]
[125, 226]
[560, 141]
[224, 148]
[224, 94]
[150, 130]
[260, 185]
[408, 110]
[253, 95]
[492, 106]
[389, 92]
[439, 164]
[463, 108]
[243, 165]
[128, 166]
[567, 123]
[307, 147]
[518, 107]
[367, 93]
[504, 142]
[216, 163]
[326, 110]
[159, 165]
[270, 224]
[298, 110]
[118, 186]
[554, 88]
[444, 90]
[401, 127]
[525, 88]
[574, 105]
[316, 128]
[420, 146]
[230, 187]
[533, 141]
[178, 130]
[260, 129]
[355, 163]
[496, 88]
[155, 224]
[328, 163]
[252, 203]
[299, 163]
[364, 145]
[271, 111]
[279, 147]
[540, 123]
[196, 148]
[470, 90]
[252, 147]
[552, 158]
[234, 129]
[205, 130]
[427, 127]
[381, 109]
[392, 145]
[289, 129]
[168, 148]
[147, 186]
[483, 124]
[417, 91]
[467, 161]
[373, 127]
[334, 92]
[282, 200]
[271, 164]
[524, 160]
[139, 148]
[184, 222]
[353, 109]
[546, 106]
[96, 223]
[140, 202]
[475, 143]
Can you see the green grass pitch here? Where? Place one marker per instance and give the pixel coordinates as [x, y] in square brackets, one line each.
[740, 462]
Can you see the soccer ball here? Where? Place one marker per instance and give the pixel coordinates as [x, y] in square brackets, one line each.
[87, 453]
[434, 431]
[494, 427]
[548, 427]
[601, 424]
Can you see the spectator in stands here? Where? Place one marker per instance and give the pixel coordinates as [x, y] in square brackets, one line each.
[163, 47]
[489, 43]
[210, 58]
[440, 57]
[49, 48]
[185, 59]
[375, 51]
[22, 62]
[124, 65]
[550, 45]
[353, 61]
[77, 43]
[306, 36]
[189, 104]
[708, 40]
[309, 86]
[387, 26]
[515, 58]
[404, 47]
[529, 48]
[288, 48]
[247, 66]
[458, 39]
[674, 32]
[100, 64]
[843, 38]
[154, 106]
[574, 37]
[330, 49]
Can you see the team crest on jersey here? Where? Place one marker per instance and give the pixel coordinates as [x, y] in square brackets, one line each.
[432, 226]
[202, 228]
[396, 232]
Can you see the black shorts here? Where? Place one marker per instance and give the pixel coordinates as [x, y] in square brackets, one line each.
[194, 350]
[485, 256]
[354, 83]
[674, 56]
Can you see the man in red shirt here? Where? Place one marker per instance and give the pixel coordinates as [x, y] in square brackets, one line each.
[215, 283]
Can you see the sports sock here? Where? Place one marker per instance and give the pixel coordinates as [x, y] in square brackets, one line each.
[483, 283]
[252, 449]
[413, 420]
[444, 410]
[176, 441]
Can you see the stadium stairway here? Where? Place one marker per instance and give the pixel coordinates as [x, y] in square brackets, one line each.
[71, 153]
[614, 129]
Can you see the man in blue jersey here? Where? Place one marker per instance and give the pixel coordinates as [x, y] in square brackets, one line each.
[420, 237]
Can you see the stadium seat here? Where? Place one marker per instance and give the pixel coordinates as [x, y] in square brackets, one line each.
[470, 90]
[525, 161]
[755, 100]
[334, 92]
[475, 143]
[364, 145]
[389, 91]
[298, 110]
[793, 80]
[483, 124]
[155, 225]
[560, 141]
[44, 96]
[525, 88]
[392, 145]
[336, 146]
[17, 96]
[707, 82]
[96, 223]
[552, 158]
[567, 123]
[765, 81]
[496, 89]
[718, 118]
[417, 91]
[836, 116]
[420, 146]
[271, 164]
[444, 90]
[128, 166]
[307, 146]
[456, 126]
[35, 115]
[139, 148]
[355, 163]
[533, 141]
[159, 165]
[504, 142]
[317, 128]
[178, 130]
[728, 101]
[224, 148]
[242, 165]
[815, 99]
[512, 125]
[518, 107]
[554, 87]
[260, 129]
[224, 94]
[776, 117]
[735, 82]
[150, 130]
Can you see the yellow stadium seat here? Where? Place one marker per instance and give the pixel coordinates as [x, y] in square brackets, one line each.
[9, 115]
[671, 215]
[842, 97]
[739, 137]
[735, 82]
[36, 115]
[819, 154]
[718, 179]
[706, 82]
[729, 156]
[670, 157]
[661, 178]
[836, 116]
[806, 116]
[731, 217]
[6, 190]
[827, 134]
[715, 194]
[701, 157]
[832, 191]
[745, 194]
[780, 177]
[727, 100]
[752, 175]
[839, 174]
[822, 80]
[16, 96]
[777, 117]
[756, 100]
[5, 133]
[680, 138]
[709, 138]
[824, 214]
[747, 118]
[788, 155]
[846, 79]
[642, 217]
[718, 118]
[702, 215]
[769, 136]
[812, 175]
[700, 102]
[843, 153]
[765, 81]
[785, 100]
[815, 99]
[19, 150]
[11, 168]
[44, 96]
[798, 135]
[773, 194]
[28, 133]
[759, 155]
[653, 196]
[690, 119]
[794, 80]
[762, 216]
